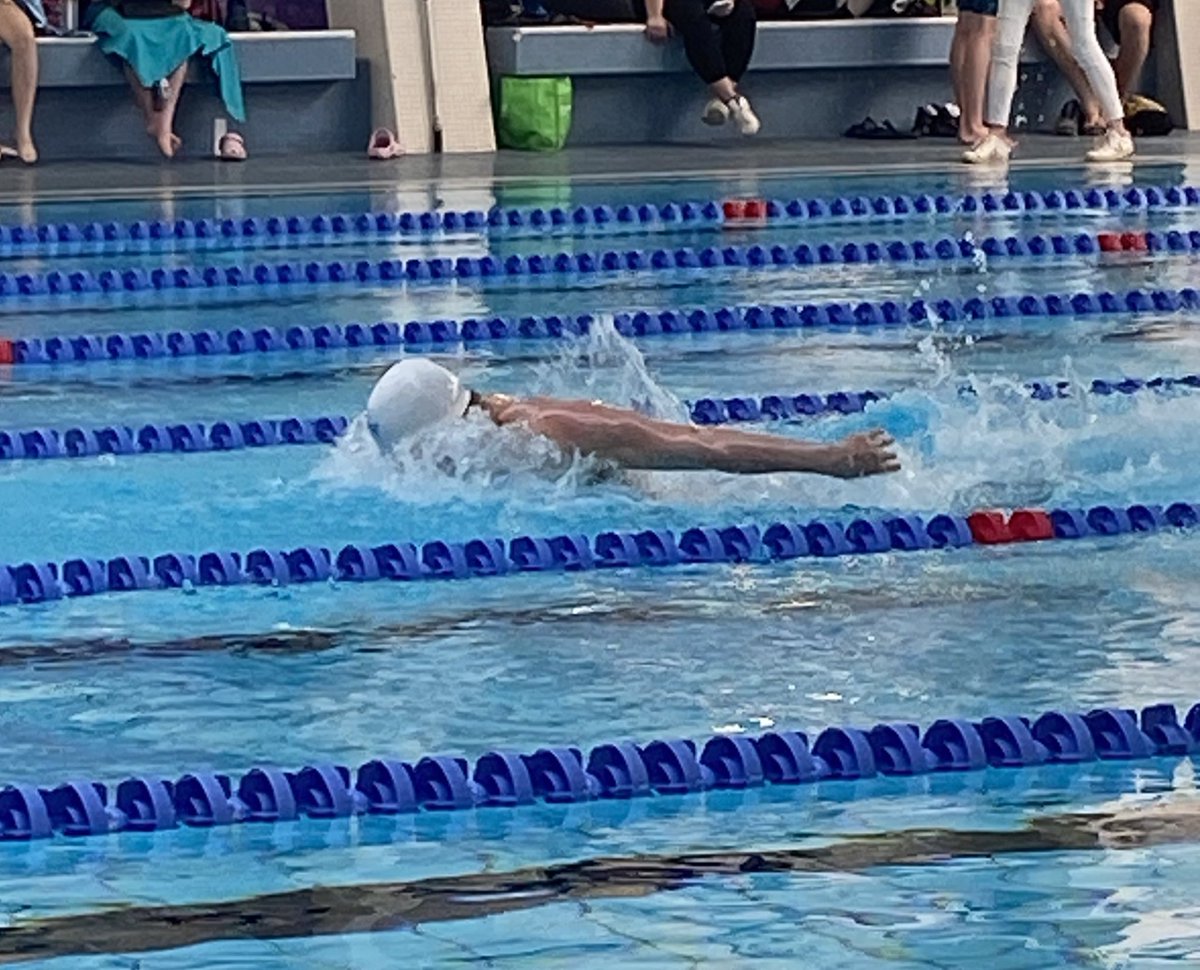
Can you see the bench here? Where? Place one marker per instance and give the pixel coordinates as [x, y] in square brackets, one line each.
[304, 93]
[807, 79]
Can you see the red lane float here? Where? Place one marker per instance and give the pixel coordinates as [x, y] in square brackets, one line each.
[991, 528]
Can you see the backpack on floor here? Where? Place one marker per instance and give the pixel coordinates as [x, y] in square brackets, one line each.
[534, 113]
[1146, 118]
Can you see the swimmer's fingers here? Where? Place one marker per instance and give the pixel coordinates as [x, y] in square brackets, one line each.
[882, 462]
[880, 438]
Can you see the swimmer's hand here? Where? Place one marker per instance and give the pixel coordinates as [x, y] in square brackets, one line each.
[867, 453]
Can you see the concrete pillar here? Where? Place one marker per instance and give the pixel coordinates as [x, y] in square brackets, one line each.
[462, 88]
[427, 65]
[1177, 41]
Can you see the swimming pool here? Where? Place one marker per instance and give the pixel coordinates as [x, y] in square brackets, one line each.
[221, 679]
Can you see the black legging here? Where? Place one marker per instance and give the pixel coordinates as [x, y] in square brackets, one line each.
[716, 47]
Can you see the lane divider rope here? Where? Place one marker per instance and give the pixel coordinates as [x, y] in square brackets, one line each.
[435, 334]
[36, 582]
[136, 279]
[159, 438]
[621, 770]
[281, 230]
[784, 407]
[195, 436]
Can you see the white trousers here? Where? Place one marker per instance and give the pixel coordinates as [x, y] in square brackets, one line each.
[1006, 52]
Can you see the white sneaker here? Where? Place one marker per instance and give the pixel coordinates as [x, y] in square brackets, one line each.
[744, 116]
[992, 150]
[715, 113]
[720, 8]
[1112, 146]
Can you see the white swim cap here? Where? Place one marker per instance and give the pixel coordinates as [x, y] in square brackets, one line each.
[413, 395]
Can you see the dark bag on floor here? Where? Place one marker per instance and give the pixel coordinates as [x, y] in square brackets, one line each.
[146, 9]
[501, 13]
[1146, 118]
[515, 13]
[814, 10]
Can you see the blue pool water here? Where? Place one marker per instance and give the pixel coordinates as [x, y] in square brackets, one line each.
[223, 679]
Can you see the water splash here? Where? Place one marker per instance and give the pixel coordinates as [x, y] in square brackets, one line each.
[992, 447]
[606, 366]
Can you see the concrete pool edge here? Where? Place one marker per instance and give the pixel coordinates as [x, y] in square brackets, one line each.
[302, 175]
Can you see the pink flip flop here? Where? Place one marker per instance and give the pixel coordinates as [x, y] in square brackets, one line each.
[384, 145]
[232, 147]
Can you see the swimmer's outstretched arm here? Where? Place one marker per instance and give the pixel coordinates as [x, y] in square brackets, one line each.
[639, 442]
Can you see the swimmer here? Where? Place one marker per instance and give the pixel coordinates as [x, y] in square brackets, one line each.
[416, 394]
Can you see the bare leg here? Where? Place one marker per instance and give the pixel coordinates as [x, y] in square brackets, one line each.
[724, 89]
[970, 58]
[1137, 24]
[168, 141]
[159, 121]
[143, 98]
[1052, 33]
[957, 64]
[16, 32]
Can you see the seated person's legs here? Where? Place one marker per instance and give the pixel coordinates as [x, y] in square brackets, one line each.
[156, 50]
[16, 33]
[1052, 34]
[739, 30]
[1131, 22]
[719, 49]
[970, 58]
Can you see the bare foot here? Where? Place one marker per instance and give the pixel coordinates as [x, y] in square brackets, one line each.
[867, 453]
[27, 151]
[168, 143]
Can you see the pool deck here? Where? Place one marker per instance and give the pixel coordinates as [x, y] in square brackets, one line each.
[333, 173]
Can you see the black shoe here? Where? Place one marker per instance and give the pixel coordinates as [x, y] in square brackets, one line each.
[925, 121]
[1070, 120]
[946, 124]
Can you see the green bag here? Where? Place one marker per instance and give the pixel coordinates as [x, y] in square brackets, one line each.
[534, 113]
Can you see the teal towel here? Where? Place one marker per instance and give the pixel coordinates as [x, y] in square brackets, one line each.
[154, 47]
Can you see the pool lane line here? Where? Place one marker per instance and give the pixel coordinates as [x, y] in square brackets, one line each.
[336, 910]
[445, 335]
[284, 231]
[492, 557]
[569, 611]
[58, 285]
[620, 770]
[233, 435]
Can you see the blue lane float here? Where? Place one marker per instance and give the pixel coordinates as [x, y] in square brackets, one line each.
[563, 774]
[296, 230]
[947, 250]
[193, 437]
[180, 437]
[446, 334]
[791, 407]
[490, 557]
